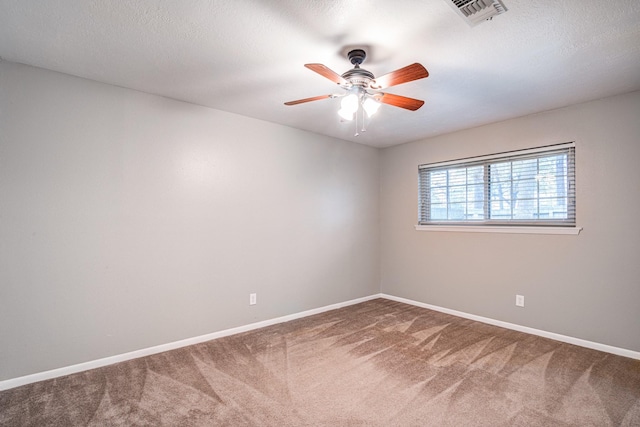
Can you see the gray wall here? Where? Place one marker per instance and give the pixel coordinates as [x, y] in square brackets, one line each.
[128, 220]
[585, 286]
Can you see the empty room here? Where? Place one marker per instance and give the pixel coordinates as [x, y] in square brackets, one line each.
[320, 213]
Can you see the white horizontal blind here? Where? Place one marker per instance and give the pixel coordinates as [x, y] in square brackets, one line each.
[528, 187]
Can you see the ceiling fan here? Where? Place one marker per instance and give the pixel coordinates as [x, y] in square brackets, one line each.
[363, 88]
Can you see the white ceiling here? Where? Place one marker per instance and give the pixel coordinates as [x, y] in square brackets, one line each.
[247, 56]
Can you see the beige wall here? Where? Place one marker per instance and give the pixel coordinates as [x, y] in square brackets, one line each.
[128, 220]
[585, 286]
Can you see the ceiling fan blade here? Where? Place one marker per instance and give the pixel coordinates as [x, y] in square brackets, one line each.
[403, 75]
[400, 101]
[326, 72]
[301, 101]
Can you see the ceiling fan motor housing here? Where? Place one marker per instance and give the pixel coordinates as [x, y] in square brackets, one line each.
[358, 76]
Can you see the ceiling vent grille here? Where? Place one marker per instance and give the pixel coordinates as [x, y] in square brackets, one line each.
[477, 11]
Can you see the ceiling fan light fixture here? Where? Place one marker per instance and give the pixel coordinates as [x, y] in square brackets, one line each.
[346, 114]
[350, 103]
[371, 106]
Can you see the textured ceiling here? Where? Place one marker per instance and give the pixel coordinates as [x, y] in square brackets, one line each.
[247, 56]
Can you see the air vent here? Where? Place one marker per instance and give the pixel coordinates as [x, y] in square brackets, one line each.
[477, 11]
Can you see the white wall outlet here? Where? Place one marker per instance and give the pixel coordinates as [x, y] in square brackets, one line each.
[253, 299]
[520, 300]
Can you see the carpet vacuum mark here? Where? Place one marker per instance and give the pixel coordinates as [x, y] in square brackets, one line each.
[378, 363]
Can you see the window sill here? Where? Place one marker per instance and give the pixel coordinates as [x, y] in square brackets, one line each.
[500, 229]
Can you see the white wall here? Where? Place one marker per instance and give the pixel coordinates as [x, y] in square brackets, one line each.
[585, 286]
[129, 220]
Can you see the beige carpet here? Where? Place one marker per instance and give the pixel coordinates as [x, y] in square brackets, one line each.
[379, 363]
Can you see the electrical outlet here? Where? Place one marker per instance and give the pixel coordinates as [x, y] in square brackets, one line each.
[520, 300]
[253, 299]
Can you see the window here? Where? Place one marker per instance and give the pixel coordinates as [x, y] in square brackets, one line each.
[533, 187]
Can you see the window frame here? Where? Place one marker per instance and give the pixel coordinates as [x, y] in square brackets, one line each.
[484, 223]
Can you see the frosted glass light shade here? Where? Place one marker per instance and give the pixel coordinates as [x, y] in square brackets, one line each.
[371, 106]
[350, 103]
[345, 114]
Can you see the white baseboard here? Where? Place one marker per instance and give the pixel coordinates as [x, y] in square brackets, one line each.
[68, 370]
[558, 337]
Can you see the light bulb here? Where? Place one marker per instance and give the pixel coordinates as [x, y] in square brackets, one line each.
[350, 103]
[371, 106]
[345, 114]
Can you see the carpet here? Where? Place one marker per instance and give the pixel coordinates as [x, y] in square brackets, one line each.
[377, 363]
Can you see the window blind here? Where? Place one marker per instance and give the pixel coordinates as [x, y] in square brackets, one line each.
[526, 187]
